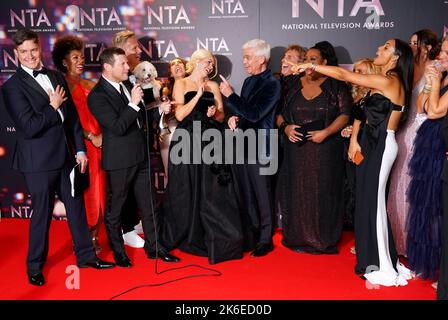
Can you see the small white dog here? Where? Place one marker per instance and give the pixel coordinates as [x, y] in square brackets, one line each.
[146, 75]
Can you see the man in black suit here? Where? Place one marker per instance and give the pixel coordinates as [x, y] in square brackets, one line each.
[49, 132]
[255, 109]
[127, 40]
[119, 111]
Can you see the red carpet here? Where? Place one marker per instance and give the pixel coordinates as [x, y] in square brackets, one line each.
[283, 274]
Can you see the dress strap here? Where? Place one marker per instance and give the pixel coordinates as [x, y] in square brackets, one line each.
[399, 108]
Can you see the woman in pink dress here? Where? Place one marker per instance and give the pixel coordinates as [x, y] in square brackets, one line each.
[422, 43]
[68, 57]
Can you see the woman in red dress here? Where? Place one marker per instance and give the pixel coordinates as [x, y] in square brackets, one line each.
[68, 57]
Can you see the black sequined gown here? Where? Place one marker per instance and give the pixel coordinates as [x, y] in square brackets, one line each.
[310, 183]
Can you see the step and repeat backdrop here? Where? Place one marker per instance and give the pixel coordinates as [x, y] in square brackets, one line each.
[171, 28]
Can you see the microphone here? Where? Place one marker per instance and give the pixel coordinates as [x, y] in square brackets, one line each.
[133, 80]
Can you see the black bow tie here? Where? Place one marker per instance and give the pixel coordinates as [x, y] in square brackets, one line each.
[36, 72]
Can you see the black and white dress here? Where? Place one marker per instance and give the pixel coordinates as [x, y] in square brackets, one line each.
[376, 254]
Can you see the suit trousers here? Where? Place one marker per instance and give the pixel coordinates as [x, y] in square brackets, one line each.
[257, 198]
[120, 182]
[43, 186]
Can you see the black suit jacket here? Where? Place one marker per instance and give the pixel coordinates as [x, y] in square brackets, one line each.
[257, 103]
[123, 140]
[43, 143]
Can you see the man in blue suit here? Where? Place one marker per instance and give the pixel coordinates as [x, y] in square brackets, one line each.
[255, 110]
[49, 135]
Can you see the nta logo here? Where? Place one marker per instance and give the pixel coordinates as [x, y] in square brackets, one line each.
[318, 6]
[79, 18]
[29, 18]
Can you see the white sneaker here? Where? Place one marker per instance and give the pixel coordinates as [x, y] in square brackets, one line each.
[133, 240]
[139, 228]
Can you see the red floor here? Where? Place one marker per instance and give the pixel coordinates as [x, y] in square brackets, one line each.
[282, 274]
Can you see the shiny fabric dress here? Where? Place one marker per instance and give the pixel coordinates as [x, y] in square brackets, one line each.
[310, 183]
[397, 204]
[201, 212]
[376, 255]
[95, 194]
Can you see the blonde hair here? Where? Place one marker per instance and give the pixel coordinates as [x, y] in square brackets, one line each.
[200, 54]
[371, 68]
[299, 49]
[120, 38]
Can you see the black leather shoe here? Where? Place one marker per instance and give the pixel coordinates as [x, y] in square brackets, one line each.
[98, 264]
[122, 261]
[36, 279]
[163, 255]
[262, 249]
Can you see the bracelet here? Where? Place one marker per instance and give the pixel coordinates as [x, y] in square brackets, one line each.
[282, 126]
[313, 67]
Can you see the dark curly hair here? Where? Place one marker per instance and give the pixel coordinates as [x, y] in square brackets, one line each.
[327, 52]
[62, 47]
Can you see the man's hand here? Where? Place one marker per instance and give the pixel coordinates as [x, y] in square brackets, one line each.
[57, 97]
[82, 159]
[224, 87]
[233, 122]
[136, 94]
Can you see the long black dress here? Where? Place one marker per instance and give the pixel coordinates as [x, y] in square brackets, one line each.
[310, 183]
[376, 255]
[201, 214]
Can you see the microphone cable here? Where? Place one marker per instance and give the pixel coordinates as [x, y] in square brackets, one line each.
[214, 272]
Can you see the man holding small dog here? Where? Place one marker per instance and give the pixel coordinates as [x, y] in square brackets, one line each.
[117, 107]
[127, 40]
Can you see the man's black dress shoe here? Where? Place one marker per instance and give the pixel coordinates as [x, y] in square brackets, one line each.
[122, 261]
[36, 279]
[97, 264]
[262, 249]
[163, 255]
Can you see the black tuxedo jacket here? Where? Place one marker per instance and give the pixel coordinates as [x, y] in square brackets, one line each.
[257, 103]
[43, 143]
[123, 140]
